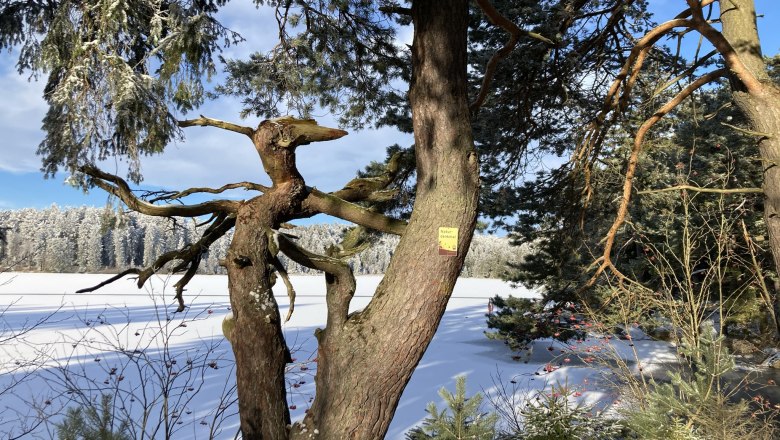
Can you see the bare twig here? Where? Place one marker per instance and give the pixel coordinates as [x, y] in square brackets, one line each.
[203, 121]
[122, 190]
[748, 132]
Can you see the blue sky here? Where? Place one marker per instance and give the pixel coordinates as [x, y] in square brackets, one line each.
[208, 156]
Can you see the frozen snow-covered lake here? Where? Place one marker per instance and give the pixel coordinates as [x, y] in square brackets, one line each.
[127, 343]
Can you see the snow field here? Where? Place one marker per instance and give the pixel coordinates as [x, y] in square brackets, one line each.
[128, 343]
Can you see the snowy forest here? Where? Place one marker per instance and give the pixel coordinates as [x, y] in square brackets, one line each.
[89, 240]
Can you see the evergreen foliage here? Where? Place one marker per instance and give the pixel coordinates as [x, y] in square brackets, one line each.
[337, 55]
[695, 404]
[94, 422]
[461, 420]
[519, 321]
[117, 70]
[553, 416]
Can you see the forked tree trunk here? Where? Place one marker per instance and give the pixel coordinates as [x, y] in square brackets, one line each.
[260, 350]
[762, 111]
[366, 359]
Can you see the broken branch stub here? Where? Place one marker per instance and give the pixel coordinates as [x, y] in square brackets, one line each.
[292, 132]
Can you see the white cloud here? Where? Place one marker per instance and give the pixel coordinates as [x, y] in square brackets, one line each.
[208, 156]
[20, 121]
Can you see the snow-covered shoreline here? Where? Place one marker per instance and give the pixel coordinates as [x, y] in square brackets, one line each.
[83, 332]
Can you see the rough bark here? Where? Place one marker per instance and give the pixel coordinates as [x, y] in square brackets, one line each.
[762, 110]
[260, 350]
[366, 359]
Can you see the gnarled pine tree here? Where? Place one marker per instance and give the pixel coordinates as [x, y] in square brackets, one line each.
[119, 70]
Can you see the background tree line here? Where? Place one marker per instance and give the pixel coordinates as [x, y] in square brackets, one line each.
[88, 239]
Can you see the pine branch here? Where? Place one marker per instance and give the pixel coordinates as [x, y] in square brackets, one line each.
[515, 33]
[633, 161]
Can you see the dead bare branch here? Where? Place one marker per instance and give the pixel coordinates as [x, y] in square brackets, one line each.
[172, 195]
[190, 257]
[282, 271]
[203, 121]
[122, 190]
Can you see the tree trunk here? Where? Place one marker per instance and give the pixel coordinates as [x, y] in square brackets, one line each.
[260, 350]
[761, 109]
[258, 344]
[366, 359]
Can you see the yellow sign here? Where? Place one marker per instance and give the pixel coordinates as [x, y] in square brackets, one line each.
[448, 241]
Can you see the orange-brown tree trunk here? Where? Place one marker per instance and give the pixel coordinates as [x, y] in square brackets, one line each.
[366, 359]
[762, 111]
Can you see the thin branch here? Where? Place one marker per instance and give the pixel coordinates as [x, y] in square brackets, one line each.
[122, 190]
[395, 10]
[515, 33]
[341, 286]
[119, 276]
[190, 256]
[249, 186]
[633, 161]
[282, 271]
[748, 132]
[704, 190]
[179, 286]
[687, 72]
[203, 121]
